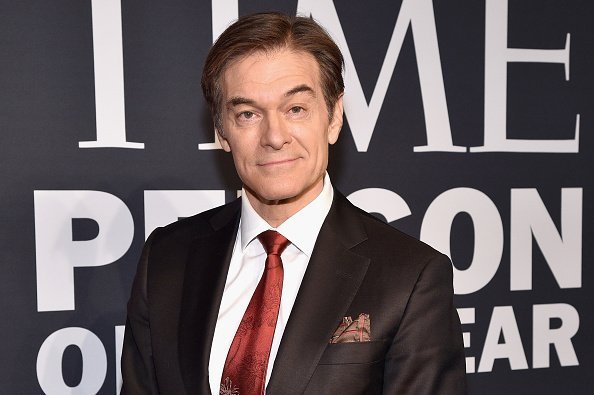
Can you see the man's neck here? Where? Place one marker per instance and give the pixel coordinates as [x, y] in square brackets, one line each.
[275, 212]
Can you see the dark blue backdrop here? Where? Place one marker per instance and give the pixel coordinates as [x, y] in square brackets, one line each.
[101, 116]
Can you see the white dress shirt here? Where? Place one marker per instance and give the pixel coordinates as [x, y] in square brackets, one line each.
[246, 268]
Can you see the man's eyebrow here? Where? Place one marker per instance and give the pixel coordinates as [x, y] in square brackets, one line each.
[237, 100]
[299, 89]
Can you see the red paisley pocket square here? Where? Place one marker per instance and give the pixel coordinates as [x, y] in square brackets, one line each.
[350, 331]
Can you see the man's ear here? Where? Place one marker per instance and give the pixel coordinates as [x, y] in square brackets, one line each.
[336, 121]
[223, 140]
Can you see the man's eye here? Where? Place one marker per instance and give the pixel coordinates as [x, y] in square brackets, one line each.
[246, 115]
[296, 110]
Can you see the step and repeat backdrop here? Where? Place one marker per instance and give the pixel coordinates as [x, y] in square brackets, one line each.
[469, 124]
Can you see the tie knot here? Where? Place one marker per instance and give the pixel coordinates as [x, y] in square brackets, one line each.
[273, 242]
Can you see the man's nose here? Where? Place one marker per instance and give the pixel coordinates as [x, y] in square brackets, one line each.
[275, 132]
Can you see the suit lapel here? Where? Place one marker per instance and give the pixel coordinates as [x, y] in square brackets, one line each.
[204, 282]
[331, 281]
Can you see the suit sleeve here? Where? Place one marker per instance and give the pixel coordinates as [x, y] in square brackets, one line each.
[427, 354]
[138, 372]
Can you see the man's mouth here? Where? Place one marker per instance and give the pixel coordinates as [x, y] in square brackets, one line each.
[277, 162]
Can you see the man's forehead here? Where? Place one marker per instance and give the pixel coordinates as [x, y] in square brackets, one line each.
[284, 71]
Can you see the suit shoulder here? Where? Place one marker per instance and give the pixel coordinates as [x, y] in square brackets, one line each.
[199, 224]
[394, 242]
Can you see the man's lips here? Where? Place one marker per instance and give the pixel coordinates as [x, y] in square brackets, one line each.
[277, 162]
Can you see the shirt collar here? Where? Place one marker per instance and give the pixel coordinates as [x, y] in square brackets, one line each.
[301, 229]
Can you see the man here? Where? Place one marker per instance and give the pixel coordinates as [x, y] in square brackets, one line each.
[347, 304]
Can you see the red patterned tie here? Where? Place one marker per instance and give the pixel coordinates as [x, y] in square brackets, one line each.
[245, 367]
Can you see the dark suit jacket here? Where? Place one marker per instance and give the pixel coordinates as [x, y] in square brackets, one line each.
[359, 265]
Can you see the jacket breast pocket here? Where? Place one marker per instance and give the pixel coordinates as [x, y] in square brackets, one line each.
[350, 368]
[354, 353]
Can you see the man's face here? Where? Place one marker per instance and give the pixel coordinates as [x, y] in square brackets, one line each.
[276, 125]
